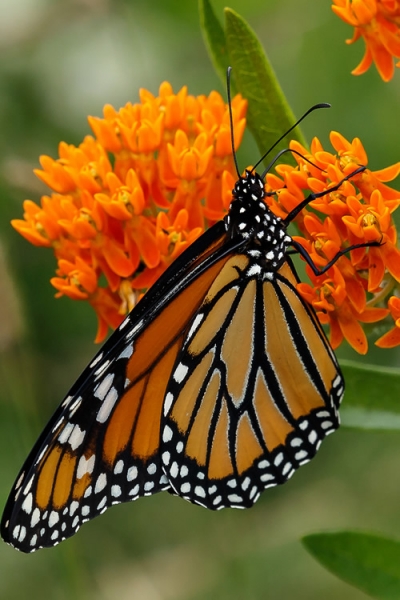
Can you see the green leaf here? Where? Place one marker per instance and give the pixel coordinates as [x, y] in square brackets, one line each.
[269, 114]
[368, 562]
[372, 398]
[214, 38]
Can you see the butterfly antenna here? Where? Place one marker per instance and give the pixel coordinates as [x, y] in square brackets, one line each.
[228, 90]
[315, 107]
[277, 157]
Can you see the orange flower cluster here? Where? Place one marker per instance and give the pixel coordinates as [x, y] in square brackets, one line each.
[378, 22]
[128, 201]
[360, 212]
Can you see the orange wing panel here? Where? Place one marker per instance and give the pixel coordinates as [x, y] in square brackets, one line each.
[196, 446]
[273, 425]
[248, 448]
[120, 427]
[146, 438]
[237, 348]
[47, 473]
[185, 402]
[300, 392]
[65, 475]
[220, 459]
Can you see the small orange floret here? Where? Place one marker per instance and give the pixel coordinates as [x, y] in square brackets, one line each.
[392, 337]
[377, 22]
[359, 212]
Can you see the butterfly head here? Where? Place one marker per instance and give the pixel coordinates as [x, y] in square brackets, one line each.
[250, 218]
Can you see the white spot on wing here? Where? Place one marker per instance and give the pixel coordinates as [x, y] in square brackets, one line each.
[116, 491]
[96, 360]
[27, 504]
[76, 438]
[132, 473]
[254, 270]
[66, 401]
[54, 517]
[200, 491]
[35, 517]
[28, 485]
[197, 320]
[132, 332]
[124, 323]
[235, 498]
[266, 477]
[73, 507]
[166, 457]
[127, 352]
[85, 466]
[167, 434]
[66, 432]
[134, 491]
[312, 438]
[102, 368]
[119, 467]
[74, 406]
[167, 403]
[100, 483]
[107, 406]
[174, 469]
[180, 372]
[104, 386]
[301, 455]
[102, 503]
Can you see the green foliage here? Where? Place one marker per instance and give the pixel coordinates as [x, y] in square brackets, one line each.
[372, 396]
[369, 562]
[269, 114]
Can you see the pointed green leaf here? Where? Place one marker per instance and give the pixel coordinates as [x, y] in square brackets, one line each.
[372, 396]
[269, 114]
[214, 38]
[368, 562]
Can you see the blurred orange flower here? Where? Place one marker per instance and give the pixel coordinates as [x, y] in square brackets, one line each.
[378, 22]
[127, 201]
[359, 212]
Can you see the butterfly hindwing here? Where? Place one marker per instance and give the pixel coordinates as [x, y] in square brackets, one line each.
[253, 392]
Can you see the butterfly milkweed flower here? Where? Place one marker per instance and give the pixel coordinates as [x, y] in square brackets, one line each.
[353, 291]
[126, 202]
[377, 22]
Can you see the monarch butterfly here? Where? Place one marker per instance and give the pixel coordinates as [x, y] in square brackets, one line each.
[219, 384]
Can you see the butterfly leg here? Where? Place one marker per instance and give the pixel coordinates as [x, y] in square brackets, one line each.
[320, 271]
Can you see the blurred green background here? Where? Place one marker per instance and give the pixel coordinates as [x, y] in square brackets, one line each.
[59, 62]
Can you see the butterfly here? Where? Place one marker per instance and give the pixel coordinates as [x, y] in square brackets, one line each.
[218, 385]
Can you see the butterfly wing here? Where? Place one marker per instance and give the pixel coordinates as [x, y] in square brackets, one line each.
[254, 391]
[101, 447]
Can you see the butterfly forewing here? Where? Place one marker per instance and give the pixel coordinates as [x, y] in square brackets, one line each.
[101, 447]
[254, 390]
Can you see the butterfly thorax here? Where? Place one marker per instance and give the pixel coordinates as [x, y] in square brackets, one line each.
[250, 218]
